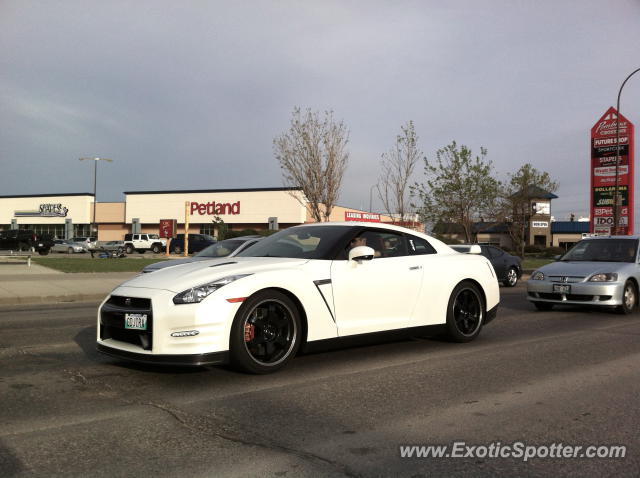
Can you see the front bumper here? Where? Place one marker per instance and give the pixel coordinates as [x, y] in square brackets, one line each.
[208, 325]
[582, 293]
[214, 358]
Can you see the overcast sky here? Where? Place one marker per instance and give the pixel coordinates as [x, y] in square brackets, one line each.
[189, 95]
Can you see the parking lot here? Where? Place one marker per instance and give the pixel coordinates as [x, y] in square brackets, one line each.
[567, 376]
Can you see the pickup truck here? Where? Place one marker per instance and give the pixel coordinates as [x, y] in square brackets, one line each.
[25, 240]
[144, 242]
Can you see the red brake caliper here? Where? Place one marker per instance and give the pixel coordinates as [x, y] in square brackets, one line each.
[249, 332]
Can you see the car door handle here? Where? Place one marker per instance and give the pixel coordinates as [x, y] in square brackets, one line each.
[415, 268]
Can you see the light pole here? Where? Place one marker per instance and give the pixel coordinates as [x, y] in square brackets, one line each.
[95, 183]
[371, 196]
[616, 202]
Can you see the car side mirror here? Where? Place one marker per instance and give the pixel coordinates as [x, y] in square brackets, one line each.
[361, 253]
[475, 249]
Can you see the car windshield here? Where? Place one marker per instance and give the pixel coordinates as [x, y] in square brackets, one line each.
[220, 249]
[303, 242]
[603, 250]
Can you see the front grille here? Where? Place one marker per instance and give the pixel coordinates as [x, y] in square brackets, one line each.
[112, 321]
[555, 296]
[569, 279]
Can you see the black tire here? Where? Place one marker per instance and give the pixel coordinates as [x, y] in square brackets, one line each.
[273, 337]
[140, 251]
[512, 277]
[129, 249]
[177, 250]
[544, 306]
[43, 252]
[629, 298]
[465, 312]
[156, 249]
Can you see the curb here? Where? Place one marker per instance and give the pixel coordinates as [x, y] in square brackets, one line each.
[53, 298]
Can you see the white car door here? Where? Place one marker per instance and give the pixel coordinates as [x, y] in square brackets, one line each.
[377, 294]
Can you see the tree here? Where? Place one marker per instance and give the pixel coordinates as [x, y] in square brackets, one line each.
[525, 185]
[396, 168]
[458, 188]
[313, 156]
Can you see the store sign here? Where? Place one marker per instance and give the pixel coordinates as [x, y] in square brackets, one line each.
[168, 228]
[215, 208]
[361, 216]
[539, 224]
[603, 173]
[45, 210]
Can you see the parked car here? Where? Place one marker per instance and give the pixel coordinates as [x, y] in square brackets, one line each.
[89, 242]
[508, 267]
[301, 285]
[25, 240]
[226, 248]
[144, 242]
[601, 271]
[197, 242]
[114, 247]
[68, 246]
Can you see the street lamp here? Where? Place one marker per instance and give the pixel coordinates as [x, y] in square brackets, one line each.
[95, 182]
[371, 196]
[616, 203]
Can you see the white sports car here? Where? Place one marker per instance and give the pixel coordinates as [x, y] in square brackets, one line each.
[295, 288]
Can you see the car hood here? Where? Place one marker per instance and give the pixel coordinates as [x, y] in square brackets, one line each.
[191, 274]
[176, 262]
[580, 268]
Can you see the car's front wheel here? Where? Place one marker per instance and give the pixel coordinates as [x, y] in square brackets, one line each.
[70, 250]
[629, 298]
[177, 250]
[512, 277]
[465, 312]
[266, 333]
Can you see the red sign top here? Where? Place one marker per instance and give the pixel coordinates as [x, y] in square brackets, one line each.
[605, 127]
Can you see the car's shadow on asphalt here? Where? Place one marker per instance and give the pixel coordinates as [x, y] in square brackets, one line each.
[86, 340]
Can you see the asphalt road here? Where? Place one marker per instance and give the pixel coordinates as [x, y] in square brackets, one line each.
[569, 376]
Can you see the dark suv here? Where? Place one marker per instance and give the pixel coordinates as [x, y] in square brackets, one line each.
[197, 242]
[24, 240]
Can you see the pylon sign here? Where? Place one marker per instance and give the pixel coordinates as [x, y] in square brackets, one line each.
[603, 174]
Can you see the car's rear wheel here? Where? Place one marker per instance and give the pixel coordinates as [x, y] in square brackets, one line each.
[129, 249]
[70, 250]
[155, 249]
[177, 250]
[629, 298]
[512, 277]
[543, 305]
[266, 333]
[465, 312]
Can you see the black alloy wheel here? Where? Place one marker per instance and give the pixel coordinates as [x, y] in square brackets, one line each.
[629, 298]
[512, 277]
[266, 333]
[465, 312]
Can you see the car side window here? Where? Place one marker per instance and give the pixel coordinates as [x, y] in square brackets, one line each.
[384, 243]
[495, 252]
[419, 246]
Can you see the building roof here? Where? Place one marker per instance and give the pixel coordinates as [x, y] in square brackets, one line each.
[192, 191]
[569, 227]
[45, 195]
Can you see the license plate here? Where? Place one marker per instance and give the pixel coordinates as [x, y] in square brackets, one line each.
[562, 288]
[135, 321]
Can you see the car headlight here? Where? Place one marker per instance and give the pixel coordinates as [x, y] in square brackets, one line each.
[537, 275]
[199, 293]
[604, 277]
